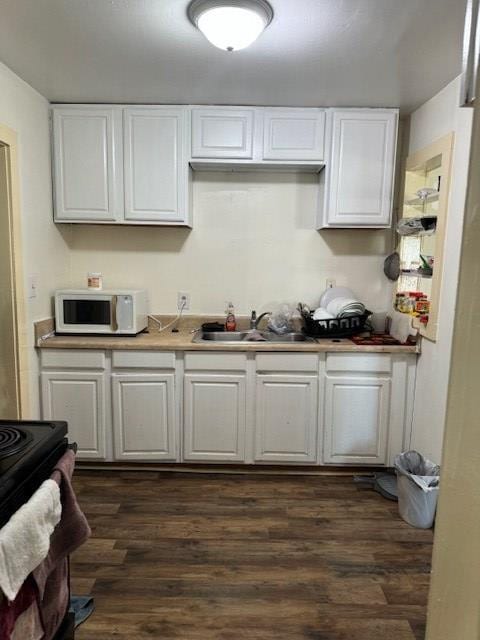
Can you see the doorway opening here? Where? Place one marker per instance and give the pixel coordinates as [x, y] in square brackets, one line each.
[13, 367]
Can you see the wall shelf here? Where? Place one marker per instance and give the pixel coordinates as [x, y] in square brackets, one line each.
[425, 169]
[421, 202]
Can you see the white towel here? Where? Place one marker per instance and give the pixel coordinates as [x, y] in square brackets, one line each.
[401, 326]
[25, 539]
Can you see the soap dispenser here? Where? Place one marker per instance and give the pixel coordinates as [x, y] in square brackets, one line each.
[230, 321]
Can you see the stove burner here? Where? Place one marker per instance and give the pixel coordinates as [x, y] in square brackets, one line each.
[12, 440]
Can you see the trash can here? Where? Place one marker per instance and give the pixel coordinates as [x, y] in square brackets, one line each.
[418, 485]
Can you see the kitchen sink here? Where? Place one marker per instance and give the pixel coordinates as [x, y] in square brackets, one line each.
[220, 336]
[289, 337]
[242, 336]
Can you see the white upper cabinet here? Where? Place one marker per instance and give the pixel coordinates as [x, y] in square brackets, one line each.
[222, 133]
[155, 164]
[130, 164]
[360, 171]
[294, 134]
[87, 153]
[117, 165]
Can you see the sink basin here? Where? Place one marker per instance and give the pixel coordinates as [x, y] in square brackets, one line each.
[288, 337]
[242, 336]
[220, 336]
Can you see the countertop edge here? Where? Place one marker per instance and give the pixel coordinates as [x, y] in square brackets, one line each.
[182, 341]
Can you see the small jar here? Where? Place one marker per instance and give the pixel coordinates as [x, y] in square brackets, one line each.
[94, 280]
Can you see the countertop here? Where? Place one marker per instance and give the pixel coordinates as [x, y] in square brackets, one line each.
[153, 340]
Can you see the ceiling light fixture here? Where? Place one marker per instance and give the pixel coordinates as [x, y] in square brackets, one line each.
[230, 24]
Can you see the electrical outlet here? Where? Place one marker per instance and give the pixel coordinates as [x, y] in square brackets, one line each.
[32, 286]
[330, 282]
[183, 301]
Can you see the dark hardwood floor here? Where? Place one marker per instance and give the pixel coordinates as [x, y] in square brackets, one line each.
[227, 557]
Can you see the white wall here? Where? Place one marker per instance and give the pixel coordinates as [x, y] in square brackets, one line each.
[434, 119]
[253, 242]
[45, 251]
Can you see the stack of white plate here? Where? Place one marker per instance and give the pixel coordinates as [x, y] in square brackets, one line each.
[340, 302]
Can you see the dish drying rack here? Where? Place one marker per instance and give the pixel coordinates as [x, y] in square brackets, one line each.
[333, 327]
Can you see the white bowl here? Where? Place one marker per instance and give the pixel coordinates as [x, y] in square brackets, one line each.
[335, 292]
[340, 306]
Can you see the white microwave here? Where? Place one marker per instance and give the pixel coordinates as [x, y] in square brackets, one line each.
[115, 312]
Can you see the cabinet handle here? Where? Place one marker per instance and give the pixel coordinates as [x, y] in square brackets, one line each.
[471, 53]
[114, 314]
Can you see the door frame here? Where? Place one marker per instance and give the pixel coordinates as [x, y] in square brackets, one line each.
[9, 142]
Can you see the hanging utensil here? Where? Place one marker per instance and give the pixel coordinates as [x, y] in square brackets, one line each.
[391, 266]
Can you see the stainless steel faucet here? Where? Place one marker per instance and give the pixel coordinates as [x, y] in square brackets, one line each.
[254, 321]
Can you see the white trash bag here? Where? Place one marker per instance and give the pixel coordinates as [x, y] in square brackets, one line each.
[417, 485]
[282, 319]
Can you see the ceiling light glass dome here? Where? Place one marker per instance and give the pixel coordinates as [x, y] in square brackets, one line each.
[230, 24]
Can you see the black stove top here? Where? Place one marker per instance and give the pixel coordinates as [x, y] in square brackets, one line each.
[13, 440]
[28, 452]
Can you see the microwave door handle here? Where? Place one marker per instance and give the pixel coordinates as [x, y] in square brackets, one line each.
[114, 314]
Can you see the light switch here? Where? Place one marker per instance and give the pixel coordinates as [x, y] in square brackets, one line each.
[32, 286]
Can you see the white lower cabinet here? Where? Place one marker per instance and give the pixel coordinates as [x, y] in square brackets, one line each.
[79, 397]
[214, 417]
[356, 419]
[286, 418]
[310, 408]
[144, 416]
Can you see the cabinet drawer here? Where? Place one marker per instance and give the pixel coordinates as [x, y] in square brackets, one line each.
[143, 360]
[287, 362]
[215, 361]
[72, 359]
[361, 362]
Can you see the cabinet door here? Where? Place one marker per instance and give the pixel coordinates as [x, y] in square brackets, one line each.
[222, 133]
[356, 419]
[156, 172]
[144, 421]
[294, 134]
[362, 168]
[214, 417]
[286, 418]
[87, 158]
[79, 398]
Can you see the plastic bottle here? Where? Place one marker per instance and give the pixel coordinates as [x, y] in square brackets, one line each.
[230, 321]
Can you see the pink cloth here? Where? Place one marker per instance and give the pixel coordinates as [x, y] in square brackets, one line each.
[11, 611]
[28, 625]
[52, 576]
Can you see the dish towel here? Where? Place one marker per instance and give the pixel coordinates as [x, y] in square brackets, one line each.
[12, 613]
[28, 625]
[51, 576]
[25, 539]
[401, 326]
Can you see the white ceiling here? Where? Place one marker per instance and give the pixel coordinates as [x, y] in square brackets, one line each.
[315, 52]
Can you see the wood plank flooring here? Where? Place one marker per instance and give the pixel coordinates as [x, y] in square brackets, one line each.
[227, 557]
